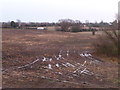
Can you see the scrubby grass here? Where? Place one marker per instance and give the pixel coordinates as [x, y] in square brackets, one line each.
[108, 44]
[24, 46]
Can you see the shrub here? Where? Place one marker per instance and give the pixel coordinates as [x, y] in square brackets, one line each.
[108, 44]
[75, 29]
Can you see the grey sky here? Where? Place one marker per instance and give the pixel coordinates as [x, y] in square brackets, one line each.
[53, 10]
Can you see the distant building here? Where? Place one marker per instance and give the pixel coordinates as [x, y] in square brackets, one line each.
[41, 28]
[37, 28]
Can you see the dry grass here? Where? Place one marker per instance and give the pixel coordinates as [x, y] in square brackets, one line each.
[27, 44]
[108, 44]
[23, 46]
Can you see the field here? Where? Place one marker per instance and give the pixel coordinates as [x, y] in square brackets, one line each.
[53, 59]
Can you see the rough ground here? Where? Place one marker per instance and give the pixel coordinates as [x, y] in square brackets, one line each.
[50, 59]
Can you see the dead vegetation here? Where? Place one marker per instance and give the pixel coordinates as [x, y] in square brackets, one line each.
[108, 44]
[45, 59]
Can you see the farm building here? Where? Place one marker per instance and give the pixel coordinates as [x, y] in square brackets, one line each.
[37, 28]
[41, 28]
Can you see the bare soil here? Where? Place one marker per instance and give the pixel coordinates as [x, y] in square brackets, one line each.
[53, 59]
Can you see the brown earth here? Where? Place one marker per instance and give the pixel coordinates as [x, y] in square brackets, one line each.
[23, 66]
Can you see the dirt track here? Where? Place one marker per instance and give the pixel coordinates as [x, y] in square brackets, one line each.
[37, 59]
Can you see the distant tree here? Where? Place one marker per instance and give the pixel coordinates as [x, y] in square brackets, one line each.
[114, 25]
[103, 24]
[78, 22]
[76, 26]
[13, 24]
[86, 21]
[65, 24]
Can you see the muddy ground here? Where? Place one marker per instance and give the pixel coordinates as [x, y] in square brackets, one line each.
[53, 59]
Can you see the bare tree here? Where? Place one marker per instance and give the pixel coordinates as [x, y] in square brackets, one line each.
[13, 24]
[65, 24]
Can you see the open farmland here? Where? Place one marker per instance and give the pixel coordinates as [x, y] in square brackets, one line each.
[52, 59]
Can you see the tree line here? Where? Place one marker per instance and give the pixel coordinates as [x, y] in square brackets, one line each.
[65, 24]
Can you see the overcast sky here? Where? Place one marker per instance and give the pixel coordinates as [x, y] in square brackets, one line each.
[53, 10]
